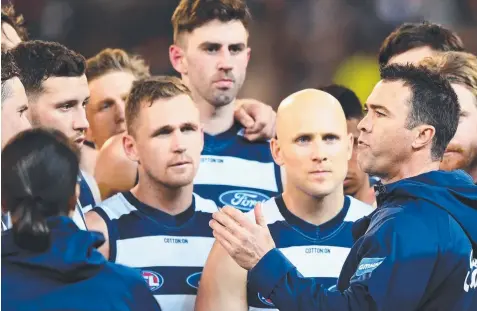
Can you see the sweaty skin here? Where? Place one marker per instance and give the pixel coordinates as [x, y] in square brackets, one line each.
[310, 112]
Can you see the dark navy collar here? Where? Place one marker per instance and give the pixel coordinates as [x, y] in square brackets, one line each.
[162, 217]
[215, 143]
[309, 229]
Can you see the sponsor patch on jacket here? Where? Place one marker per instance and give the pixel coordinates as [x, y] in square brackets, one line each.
[367, 265]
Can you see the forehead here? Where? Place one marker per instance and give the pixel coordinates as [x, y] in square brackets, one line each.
[413, 56]
[171, 111]
[112, 84]
[467, 99]
[61, 89]
[215, 31]
[313, 118]
[393, 95]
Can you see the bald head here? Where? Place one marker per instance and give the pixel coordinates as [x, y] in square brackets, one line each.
[308, 107]
[312, 143]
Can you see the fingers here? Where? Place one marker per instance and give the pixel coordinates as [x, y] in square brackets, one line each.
[243, 117]
[239, 218]
[224, 236]
[259, 217]
[227, 221]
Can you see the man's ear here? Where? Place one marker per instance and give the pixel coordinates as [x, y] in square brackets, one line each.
[130, 148]
[178, 61]
[423, 135]
[276, 151]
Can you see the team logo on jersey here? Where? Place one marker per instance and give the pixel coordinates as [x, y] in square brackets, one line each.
[244, 200]
[194, 279]
[153, 279]
[266, 301]
[471, 277]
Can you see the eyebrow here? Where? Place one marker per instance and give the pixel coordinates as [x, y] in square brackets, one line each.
[171, 128]
[71, 102]
[207, 44]
[376, 107]
[322, 135]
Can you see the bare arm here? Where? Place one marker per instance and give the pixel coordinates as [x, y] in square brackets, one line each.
[114, 171]
[97, 223]
[223, 285]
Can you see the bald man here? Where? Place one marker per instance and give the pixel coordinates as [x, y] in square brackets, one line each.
[311, 220]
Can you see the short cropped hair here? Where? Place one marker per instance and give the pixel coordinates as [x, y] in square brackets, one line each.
[457, 67]
[191, 14]
[432, 102]
[349, 101]
[9, 71]
[415, 35]
[147, 91]
[110, 60]
[10, 17]
[40, 60]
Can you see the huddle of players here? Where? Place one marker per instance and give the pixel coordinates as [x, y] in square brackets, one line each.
[159, 200]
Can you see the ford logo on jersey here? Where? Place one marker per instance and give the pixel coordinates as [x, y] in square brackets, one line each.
[193, 280]
[244, 200]
[153, 279]
[267, 302]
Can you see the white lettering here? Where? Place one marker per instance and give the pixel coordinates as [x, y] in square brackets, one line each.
[244, 199]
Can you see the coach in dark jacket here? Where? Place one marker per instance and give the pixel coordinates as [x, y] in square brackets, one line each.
[418, 250]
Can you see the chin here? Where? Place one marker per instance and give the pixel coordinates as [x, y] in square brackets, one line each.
[179, 182]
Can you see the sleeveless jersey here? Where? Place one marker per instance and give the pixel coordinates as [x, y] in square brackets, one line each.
[169, 250]
[236, 172]
[317, 251]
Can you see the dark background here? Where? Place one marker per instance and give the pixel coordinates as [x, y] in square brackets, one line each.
[295, 43]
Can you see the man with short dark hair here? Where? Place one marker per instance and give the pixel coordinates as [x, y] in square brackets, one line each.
[411, 42]
[14, 107]
[417, 250]
[57, 90]
[211, 53]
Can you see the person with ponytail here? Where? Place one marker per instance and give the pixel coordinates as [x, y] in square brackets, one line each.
[48, 263]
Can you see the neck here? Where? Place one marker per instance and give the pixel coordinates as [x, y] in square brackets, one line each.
[172, 201]
[415, 166]
[315, 210]
[215, 119]
[365, 193]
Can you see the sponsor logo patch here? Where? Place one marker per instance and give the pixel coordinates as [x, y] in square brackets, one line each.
[367, 265]
[244, 200]
[194, 279]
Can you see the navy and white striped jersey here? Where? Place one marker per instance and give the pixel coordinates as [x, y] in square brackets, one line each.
[317, 251]
[89, 192]
[236, 172]
[169, 250]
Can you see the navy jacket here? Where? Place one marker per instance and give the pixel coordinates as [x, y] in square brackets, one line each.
[70, 275]
[413, 253]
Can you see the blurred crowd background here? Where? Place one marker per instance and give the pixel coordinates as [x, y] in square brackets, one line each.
[295, 43]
